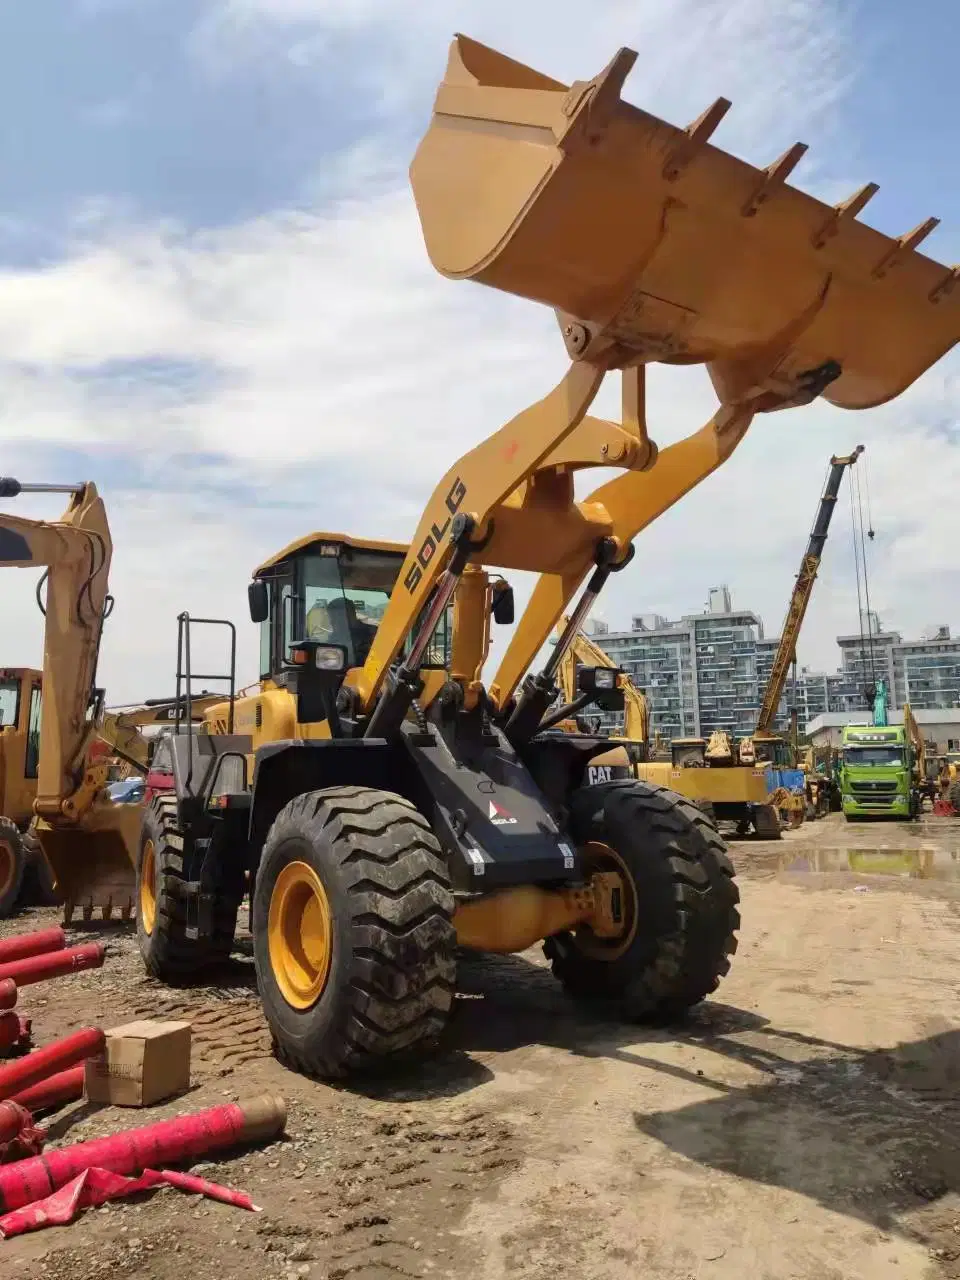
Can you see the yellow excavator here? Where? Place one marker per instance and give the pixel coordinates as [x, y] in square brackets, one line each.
[384, 803]
[708, 772]
[55, 755]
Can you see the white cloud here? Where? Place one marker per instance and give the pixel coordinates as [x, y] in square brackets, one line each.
[339, 353]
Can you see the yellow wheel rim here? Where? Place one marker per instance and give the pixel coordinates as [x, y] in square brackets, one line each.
[300, 935]
[8, 866]
[602, 857]
[148, 887]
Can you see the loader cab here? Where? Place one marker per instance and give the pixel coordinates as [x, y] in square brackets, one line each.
[330, 590]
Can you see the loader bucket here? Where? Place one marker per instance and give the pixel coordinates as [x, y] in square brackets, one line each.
[653, 245]
[93, 864]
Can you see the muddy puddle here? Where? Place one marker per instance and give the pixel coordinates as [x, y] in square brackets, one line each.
[910, 864]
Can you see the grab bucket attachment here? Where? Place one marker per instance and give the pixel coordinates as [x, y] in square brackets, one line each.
[654, 245]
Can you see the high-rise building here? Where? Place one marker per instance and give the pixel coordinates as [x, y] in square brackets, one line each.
[709, 670]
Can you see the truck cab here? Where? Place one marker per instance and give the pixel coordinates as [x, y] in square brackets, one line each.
[876, 773]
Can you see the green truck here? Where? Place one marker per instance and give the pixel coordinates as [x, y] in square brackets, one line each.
[878, 773]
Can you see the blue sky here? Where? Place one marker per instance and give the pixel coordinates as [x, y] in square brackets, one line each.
[212, 286]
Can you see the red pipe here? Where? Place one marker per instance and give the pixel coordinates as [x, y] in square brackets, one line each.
[155, 1145]
[8, 993]
[65, 1086]
[42, 1063]
[32, 944]
[54, 964]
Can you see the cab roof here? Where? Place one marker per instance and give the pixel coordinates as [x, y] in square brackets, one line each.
[306, 542]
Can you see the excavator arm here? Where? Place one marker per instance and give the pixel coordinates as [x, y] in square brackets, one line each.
[802, 591]
[88, 842]
[584, 650]
[120, 728]
[651, 245]
[75, 553]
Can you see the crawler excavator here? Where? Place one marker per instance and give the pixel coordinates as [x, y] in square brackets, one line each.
[385, 802]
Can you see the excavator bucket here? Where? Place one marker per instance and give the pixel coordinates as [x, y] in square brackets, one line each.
[93, 864]
[654, 245]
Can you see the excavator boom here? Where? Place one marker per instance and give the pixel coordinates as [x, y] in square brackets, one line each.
[87, 841]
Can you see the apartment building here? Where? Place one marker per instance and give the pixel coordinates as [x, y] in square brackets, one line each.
[709, 670]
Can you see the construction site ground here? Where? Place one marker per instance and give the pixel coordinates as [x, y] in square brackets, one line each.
[803, 1124]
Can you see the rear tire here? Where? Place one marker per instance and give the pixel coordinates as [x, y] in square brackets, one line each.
[12, 863]
[162, 915]
[385, 967]
[685, 903]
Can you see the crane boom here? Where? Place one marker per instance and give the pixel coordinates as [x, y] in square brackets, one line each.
[802, 590]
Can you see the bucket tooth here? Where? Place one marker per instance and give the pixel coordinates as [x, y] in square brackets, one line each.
[846, 211]
[590, 104]
[904, 245]
[774, 176]
[694, 138]
[946, 285]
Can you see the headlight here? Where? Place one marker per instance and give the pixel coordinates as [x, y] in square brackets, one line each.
[330, 657]
[605, 678]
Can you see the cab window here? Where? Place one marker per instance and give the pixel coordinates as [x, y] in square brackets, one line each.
[31, 764]
[9, 703]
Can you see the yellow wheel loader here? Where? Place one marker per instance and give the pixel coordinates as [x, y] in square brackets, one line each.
[384, 803]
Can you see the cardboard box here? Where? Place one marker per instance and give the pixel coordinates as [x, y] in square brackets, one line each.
[144, 1062]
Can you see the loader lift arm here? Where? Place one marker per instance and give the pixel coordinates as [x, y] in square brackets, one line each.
[651, 245]
[802, 591]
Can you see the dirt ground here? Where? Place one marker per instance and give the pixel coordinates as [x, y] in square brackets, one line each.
[803, 1125]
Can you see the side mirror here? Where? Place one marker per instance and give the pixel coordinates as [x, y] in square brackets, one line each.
[603, 685]
[502, 607]
[259, 601]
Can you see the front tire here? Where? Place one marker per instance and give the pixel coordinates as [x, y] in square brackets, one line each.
[12, 863]
[682, 932]
[353, 932]
[162, 915]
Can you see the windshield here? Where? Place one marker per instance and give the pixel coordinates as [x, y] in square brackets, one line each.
[344, 599]
[9, 702]
[873, 755]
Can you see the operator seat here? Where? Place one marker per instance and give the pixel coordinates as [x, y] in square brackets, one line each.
[350, 631]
